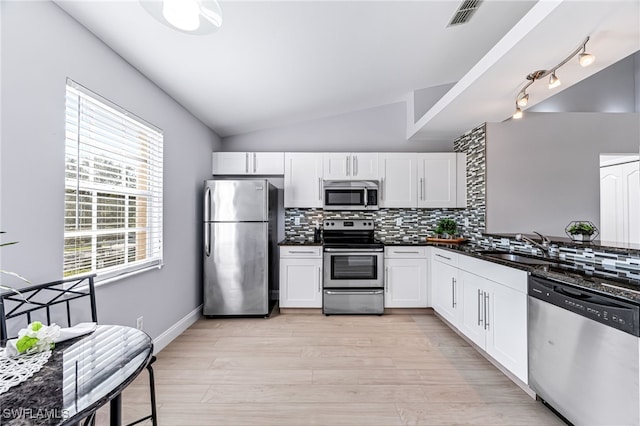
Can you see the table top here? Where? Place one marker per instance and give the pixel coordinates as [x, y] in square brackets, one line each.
[82, 374]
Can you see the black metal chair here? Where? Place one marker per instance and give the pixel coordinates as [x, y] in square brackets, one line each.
[65, 302]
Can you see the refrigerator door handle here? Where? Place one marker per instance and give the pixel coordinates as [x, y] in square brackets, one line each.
[207, 217]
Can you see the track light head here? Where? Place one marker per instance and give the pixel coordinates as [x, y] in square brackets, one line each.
[554, 81]
[586, 59]
[518, 113]
[523, 100]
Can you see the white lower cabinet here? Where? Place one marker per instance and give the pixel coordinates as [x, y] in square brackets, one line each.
[445, 289]
[487, 303]
[300, 277]
[405, 281]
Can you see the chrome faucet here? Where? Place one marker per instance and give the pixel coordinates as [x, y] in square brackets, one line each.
[543, 245]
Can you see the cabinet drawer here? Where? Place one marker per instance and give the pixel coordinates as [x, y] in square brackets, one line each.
[405, 252]
[444, 256]
[300, 251]
[510, 277]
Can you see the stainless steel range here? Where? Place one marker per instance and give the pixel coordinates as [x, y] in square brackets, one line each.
[353, 268]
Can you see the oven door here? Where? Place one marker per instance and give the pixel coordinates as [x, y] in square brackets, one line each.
[351, 268]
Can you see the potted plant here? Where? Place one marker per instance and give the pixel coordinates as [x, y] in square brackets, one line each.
[581, 230]
[446, 227]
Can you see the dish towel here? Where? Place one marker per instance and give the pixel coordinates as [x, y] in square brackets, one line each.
[65, 334]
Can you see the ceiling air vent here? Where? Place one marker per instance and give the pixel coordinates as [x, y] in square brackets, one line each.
[465, 12]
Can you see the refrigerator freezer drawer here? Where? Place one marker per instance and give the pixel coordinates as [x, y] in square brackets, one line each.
[353, 302]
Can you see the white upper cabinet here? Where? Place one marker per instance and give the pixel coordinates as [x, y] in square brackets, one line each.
[248, 163]
[437, 183]
[398, 177]
[620, 203]
[350, 166]
[303, 179]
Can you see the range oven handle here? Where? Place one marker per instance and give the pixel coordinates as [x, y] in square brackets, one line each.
[354, 251]
[353, 293]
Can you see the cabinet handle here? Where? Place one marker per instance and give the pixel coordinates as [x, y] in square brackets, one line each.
[382, 188]
[444, 257]
[246, 162]
[320, 189]
[386, 279]
[348, 164]
[355, 165]
[421, 184]
[319, 280]
[486, 311]
[479, 308]
[406, 252]
[302, 251]
[254, 162]
[453, 292]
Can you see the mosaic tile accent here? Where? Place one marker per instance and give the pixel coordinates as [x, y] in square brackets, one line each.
[591, 261]
[416, 223]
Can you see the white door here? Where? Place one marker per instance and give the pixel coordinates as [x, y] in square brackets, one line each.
[231, 163]
[301, 283]
[267, 163]
[364, 165]
[473, 313]
[398, 177]
[336, 166]
[405, 283]
[506, 339]
[444, 288]
[437, 180]
[631, 223]
[303, 180]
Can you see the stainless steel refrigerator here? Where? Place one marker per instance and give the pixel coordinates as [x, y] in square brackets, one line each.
[240, 246]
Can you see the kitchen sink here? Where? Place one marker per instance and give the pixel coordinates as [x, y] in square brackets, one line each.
[520, 259]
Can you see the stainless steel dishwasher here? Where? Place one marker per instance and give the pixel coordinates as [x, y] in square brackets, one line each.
[584, 353]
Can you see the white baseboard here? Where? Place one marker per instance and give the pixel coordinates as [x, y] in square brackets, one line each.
[176, 329]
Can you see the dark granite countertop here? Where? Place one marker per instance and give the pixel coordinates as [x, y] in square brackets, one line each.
[563, 271]
[286, 242]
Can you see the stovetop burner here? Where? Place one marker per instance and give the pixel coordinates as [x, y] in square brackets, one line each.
[350, 233]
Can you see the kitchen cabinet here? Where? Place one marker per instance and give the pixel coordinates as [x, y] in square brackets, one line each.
[620, 202]
[301, 277]
[438, 175]
[350, 166]
[494, 314]
[445, 289]
[248, 163]
[405, 280]
[303, 180]
[398, 180]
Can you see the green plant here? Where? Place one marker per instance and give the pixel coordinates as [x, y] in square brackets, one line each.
[581, 228]
[446, 226]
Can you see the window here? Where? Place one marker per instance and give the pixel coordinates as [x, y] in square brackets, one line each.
[113, 188]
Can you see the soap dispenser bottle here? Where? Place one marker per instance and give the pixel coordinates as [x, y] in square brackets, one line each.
[317, 234]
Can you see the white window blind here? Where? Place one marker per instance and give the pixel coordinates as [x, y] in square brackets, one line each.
[113, 188]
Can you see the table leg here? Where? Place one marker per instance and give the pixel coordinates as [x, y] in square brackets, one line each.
[115, 411]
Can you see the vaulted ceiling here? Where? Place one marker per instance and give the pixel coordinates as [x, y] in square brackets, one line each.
[279, 62]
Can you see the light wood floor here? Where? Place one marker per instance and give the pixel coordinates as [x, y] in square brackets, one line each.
[339, 370]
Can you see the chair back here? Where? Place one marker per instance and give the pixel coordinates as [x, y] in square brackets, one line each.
[65, 303]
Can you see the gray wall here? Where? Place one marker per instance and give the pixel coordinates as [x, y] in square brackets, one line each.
[381, 129]
[543, 170]
[41, 47]
[614, 89]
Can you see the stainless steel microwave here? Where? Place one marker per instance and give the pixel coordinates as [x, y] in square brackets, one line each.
[350, 195]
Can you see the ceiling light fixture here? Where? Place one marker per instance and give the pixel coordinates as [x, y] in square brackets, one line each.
[188, 16]
[522, 99]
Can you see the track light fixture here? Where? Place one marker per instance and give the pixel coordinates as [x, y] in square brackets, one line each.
[522, 99]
